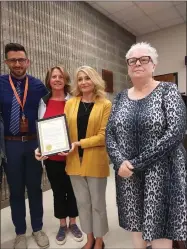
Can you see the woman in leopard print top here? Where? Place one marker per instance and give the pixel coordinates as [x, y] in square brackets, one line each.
[144, 141]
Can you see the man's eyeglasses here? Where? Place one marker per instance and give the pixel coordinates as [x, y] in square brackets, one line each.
[14, 60]
[142, 60]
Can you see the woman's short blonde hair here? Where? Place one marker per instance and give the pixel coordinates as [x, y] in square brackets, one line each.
[151, 51]
[67, 86]
[99, 83]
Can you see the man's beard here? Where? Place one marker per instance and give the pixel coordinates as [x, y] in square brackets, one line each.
[18, 74]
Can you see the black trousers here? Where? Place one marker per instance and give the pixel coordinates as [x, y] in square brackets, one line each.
[64, 199]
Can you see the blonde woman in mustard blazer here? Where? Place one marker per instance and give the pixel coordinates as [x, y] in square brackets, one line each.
[87, 163]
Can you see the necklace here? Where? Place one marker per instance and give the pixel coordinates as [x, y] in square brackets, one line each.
[86, 107]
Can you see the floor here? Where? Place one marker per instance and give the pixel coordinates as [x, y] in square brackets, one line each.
[115, 238]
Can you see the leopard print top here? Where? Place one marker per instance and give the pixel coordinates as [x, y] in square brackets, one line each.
[149, 133]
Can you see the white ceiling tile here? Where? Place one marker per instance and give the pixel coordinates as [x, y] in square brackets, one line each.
[164, 15]
[178, 2]
[119, 14]
[107, 1]
[100, 9]
[91, 2]
[171, 22]
[115, 19]
[146, 30]
[129, 29]
[142, 17]
[150, 7]
[140, 23]
[181, 8]
[113, 7]
[129, 13]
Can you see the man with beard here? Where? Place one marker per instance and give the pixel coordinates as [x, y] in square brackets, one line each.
[20, 94]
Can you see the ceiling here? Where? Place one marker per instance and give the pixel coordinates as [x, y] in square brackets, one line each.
[141, 18]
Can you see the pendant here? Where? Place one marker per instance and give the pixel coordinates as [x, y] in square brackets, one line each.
[23, 117]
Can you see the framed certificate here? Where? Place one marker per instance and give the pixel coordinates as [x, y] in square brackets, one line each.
[53, 135]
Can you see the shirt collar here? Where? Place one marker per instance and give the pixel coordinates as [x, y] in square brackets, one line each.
[67, 96]
[15, 80]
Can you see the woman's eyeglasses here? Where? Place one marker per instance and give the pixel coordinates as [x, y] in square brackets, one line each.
[142, 60]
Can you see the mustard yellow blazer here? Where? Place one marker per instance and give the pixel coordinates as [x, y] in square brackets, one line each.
[95, 161]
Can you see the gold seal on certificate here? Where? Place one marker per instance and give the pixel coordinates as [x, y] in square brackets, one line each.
[53, 135]
[48, 147]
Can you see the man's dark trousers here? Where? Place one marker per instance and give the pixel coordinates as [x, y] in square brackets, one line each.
[23, 170]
